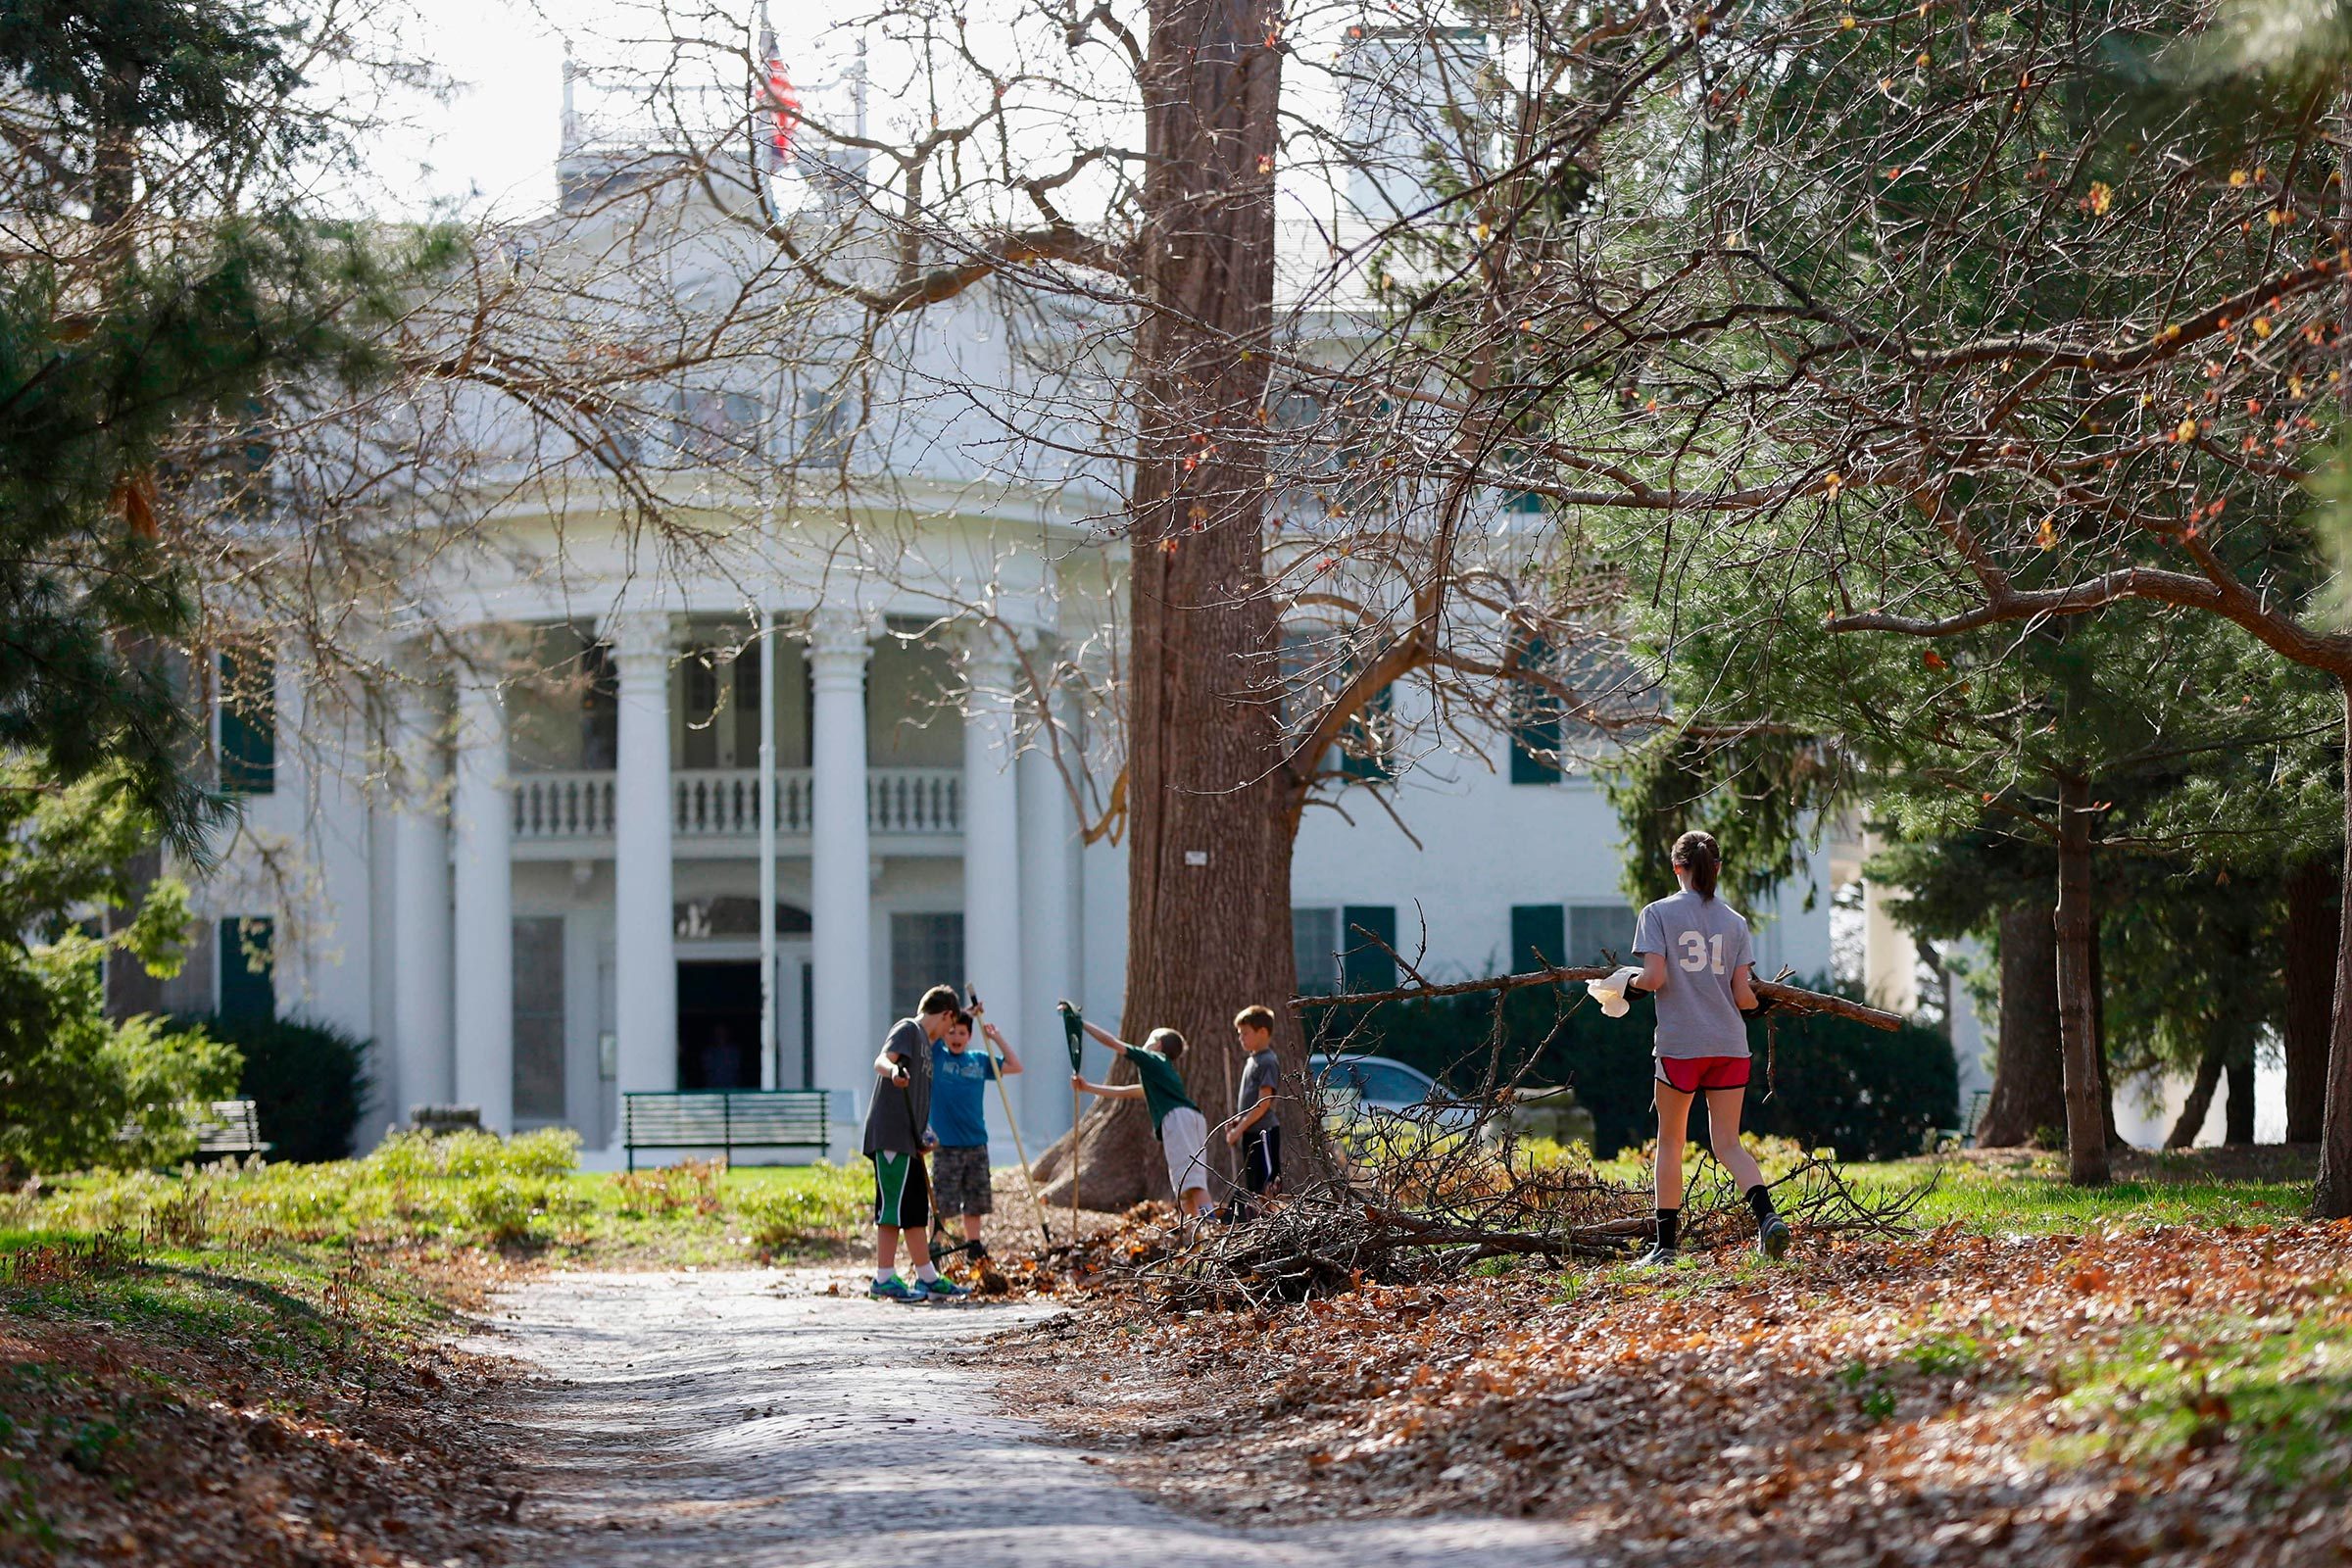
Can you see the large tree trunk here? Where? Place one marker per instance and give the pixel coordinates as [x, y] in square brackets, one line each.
[1209, 901]
[2312, 908]
[2077, 1024]
[2028, 1085]
[2332, 1194]
[2237, 1117]
[2199, 1103]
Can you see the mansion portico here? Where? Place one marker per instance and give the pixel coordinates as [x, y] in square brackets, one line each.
[583, 919]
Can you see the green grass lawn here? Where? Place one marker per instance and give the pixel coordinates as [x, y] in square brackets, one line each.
[523, 1196]
[2027, 1191]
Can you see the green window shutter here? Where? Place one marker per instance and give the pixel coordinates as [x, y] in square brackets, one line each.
[248, 970]
[1364, 965]
[248, 725]
[1370, 730]
[1539, 937]
[1536, 728]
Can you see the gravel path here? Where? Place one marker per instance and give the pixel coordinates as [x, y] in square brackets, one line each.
[727, 1419]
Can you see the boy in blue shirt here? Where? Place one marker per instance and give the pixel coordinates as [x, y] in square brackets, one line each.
[960, 1079]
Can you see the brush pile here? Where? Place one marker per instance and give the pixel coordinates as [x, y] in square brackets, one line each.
[1342, 1234]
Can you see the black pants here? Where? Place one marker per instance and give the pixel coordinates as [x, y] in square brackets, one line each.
[1261, 1157]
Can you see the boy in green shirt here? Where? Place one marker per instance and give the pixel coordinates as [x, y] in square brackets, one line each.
[1182, 1130]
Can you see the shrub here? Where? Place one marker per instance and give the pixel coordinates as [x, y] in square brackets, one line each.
[83, 1089]
[549, 1152]
[831, 1205]
[308, 1082]
[1841, 1085]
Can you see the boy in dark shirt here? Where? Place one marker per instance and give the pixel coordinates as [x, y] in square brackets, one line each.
[896, 1133]
[1255, 1129]
[1182, 1130]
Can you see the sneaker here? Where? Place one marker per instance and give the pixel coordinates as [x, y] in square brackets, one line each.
[1658, 1257]
[894, 1289]
[1772, 1238]
[939, 1289]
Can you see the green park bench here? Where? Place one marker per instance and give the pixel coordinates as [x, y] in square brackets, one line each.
[724, 1119]
[233, 1127]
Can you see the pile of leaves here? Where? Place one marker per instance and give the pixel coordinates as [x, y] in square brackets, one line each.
[2175, 1394]
[1105, 1257]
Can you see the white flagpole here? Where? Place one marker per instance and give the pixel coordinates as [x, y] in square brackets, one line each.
[771, 1070]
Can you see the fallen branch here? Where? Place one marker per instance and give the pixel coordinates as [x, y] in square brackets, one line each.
[1795, 999]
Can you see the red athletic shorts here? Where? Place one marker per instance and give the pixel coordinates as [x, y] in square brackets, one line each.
[1691, 1074]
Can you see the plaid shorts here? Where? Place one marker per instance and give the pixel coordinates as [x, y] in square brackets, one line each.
[960, 1181]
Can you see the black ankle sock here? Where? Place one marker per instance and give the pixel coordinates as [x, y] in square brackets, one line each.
[1670, 1228]
[1759, 1199]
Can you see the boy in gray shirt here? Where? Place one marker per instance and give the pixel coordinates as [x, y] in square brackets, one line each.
[1255, 1129]
[897, 1135]
[1696, 960]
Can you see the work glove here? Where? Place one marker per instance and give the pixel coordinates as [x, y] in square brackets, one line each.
[1764, 1004]
[1612, 990]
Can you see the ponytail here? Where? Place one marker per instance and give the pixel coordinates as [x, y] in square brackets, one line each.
[1697, 854]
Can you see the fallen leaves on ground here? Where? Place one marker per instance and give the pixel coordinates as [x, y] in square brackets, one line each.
[2171, 1394]
[194, 1441]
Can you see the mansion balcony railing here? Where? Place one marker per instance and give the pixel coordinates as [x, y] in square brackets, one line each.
[724, 802]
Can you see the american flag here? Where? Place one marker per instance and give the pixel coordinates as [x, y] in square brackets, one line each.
[782, 106]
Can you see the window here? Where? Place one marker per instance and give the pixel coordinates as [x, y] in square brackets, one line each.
[1534, 723]
[701, 677]
[539, 1017]
[1366, 964]
[248, 724]
[715, 426]
[828, 419]
[1315, 949]
[1314, 666]
[248, 971]
[1598, 932]
[1383, 1084]
[1539, 937]
[1334, 950]
[925, 951]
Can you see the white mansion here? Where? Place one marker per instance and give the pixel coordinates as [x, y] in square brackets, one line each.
[563, 902]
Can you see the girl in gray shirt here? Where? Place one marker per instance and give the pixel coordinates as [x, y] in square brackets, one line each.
[1698, 963]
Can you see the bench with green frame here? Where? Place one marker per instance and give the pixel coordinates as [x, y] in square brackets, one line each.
[232, 1127]
[724, 1119]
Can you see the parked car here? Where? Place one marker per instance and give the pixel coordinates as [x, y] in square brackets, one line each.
[1358, 1087]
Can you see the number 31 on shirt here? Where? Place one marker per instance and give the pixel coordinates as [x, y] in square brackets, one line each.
[1701, 953]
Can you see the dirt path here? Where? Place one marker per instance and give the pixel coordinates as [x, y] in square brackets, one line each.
[725, 1419]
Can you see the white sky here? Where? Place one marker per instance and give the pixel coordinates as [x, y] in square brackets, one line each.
[491, 146]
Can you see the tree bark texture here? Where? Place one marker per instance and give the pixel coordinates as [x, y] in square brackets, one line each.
[2199, 1103]
[2237, 1115]
[1208, 902]
[2078, 1013]
[2314, 907]
[2332, 1194]
[2028, 1092]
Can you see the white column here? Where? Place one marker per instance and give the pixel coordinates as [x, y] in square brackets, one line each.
[768, 1066]
[841, 885]
[991, 834]
[482, 822]
[645, 972]
[1049, 933]
[425, 1071]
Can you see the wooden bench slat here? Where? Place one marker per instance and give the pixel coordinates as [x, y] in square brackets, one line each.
[726, 1119]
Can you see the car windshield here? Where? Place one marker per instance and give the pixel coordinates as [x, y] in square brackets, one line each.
[1393, 1086]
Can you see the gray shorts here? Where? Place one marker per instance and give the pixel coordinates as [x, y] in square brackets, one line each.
[1184, 1139]
[960, 1181]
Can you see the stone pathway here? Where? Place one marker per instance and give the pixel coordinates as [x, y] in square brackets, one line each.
[748, 1420]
